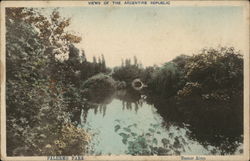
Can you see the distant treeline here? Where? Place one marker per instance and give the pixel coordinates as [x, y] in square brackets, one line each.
[212, 74]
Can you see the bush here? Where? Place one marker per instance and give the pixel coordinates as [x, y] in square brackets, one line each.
[98, 87]
[71, 141]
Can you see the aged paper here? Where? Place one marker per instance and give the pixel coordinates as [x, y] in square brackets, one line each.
[125, 80]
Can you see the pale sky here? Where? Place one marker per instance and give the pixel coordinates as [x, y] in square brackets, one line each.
[155, 34]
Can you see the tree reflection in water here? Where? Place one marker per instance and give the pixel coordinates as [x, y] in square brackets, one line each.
[217, 126]
[129, 98]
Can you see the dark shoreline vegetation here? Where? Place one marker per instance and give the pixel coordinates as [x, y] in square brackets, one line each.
[46, 94]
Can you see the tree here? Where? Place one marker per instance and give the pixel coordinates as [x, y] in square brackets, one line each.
[181, 61]
[135, 61]
[52, 29]
[103, 64]
[83, 57]
[122, 63]
[74, 54]
[127, 62]
[166, 80]
[94, 60]
[218, 72]
[35, 104]
[99, 60]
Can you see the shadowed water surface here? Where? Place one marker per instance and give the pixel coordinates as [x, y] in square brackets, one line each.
[128, 124]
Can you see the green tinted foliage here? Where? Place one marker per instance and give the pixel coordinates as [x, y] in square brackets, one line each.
[70, 141]
[127, 73]
[36, 104]
[166, 80]
[217, 72]
[98, 87]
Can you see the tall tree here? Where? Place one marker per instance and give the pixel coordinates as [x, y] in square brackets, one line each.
[103, 64]
[94, 60]
[122, 63]
[83, 56]
[135, 61]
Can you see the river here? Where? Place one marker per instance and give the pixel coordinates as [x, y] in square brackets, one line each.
[128, 124]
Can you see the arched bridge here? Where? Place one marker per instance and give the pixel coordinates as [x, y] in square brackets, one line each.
[138, 85]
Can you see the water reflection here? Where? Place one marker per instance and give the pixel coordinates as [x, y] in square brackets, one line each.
[130, 99]
[129, 123]
[210, 123]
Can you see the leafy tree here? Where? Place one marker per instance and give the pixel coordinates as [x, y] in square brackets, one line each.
[74, 54]
[98, 87]
[181, 61]
[166, 80]
[51, 29]
[35, 103]
[147, 74]
[126, 73]
[217, 72]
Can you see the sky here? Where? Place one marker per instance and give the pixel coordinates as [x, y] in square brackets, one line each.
[155, 35]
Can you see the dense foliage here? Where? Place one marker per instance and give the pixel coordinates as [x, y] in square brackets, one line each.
[98, 87]
[170, 78]
[127, 72]
[37, 104]
[214, 74]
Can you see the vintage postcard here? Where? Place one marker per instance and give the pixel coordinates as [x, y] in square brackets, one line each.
[125, 80]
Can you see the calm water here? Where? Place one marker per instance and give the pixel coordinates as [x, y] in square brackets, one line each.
[126, 124]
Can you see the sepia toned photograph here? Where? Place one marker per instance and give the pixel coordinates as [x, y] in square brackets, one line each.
[125, 79]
